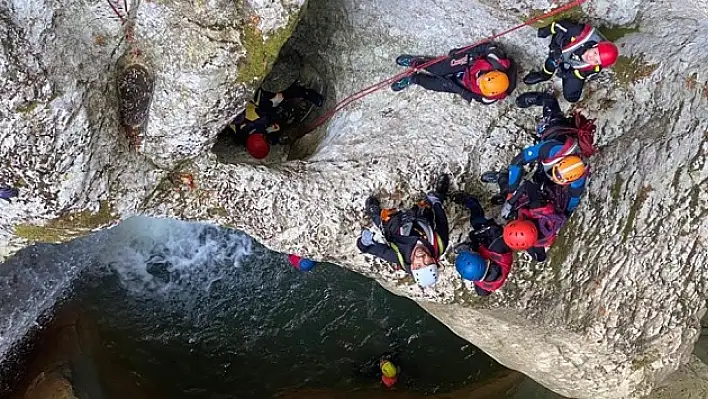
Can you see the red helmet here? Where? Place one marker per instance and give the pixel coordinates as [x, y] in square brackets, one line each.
[257, 145]
[608, 53]
[520, 235]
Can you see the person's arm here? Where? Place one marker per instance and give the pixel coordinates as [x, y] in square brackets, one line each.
[562, 31]
[379, 250]
[441, 225]
[584, 75]
[473, 52]
[470, 95]
[528, 155]
[575, 190]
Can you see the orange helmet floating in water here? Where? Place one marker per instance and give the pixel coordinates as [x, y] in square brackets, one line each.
[493, 83]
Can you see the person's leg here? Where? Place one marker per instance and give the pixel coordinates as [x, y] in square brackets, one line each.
[436, 83]
[572, 88]
[297, 91]
[266, 100]
[549, 68]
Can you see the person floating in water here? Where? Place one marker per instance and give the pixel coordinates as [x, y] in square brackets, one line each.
[389, 372]
[256, 127]
[483, 73]
[578, 52]
[416, 238]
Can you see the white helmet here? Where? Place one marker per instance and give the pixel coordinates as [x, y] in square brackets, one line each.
[426, 276]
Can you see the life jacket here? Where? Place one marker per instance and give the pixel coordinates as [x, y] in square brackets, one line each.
[481, 66]
[588, 35]
[548, 220]
[426, 232]
[503, 260]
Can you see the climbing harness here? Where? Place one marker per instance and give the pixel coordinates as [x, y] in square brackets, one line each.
[385, 83]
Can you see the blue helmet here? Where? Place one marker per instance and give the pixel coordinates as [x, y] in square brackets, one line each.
[471, 266]
[306, 264]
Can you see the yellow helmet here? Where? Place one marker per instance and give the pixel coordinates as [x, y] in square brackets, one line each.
[388, 369]
[493, 83]
[568, 170]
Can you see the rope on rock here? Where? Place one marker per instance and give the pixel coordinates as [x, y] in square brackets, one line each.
[384, 83]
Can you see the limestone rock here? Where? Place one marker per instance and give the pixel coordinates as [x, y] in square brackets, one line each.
[615, 310]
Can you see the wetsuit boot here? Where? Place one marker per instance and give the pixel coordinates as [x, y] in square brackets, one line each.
[372, 208]
[407, 60]
[536, 77]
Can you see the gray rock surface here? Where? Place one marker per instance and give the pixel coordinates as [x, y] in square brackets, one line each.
[615, 310]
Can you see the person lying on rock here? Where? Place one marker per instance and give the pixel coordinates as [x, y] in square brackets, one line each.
[537, 221]
[483, 258]
[558, 155]
[483, 73]
[416, 237]
[256, 127]
[577, 53]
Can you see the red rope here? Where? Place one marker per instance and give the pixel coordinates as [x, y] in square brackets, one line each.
[115, 11]
[380, 85]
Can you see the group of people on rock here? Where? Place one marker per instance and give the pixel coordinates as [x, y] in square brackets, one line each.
[535, 208]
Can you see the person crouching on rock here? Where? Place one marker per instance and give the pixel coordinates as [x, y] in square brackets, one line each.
[578, 52]
[483, 73]
[537, 221]
[256, 127]
[416, 238]
[483, 258]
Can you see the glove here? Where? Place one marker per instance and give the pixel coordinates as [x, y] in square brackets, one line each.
[433, 198]
[506, 210]
[367, 238]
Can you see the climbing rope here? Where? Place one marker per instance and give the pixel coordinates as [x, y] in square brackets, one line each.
[125, 20]
[384, 83]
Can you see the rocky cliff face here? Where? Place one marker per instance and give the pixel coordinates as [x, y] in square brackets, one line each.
[614, 311]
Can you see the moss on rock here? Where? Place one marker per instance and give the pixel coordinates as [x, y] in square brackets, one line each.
[630, 70]
[261, 51]
[68, 226]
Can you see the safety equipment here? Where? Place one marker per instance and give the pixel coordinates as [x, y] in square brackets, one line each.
[493, 83]
[257, 145]
[471, 266]
[426, 276]
[608, 53]
[568, 170]
[388, 369]
[520, 235]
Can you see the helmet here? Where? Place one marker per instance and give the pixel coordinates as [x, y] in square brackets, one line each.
[471, 266]
[306, 264]
[388, 369]
[493, 83]
[568, 170]
[608, 53]
[520, 235]
[426, 276]
[257, 145]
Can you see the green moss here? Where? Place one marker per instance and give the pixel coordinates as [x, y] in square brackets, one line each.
[616, 33]
[560, 250]
[575, 14]
[260, 52]
[630, 70]
[67, 226]
[642, 196]
[28, 108]
[616, 190]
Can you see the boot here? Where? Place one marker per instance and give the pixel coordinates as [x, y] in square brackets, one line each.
[407, 60]
[442, 186]
[528, 99]
[536, 77]
[372, 208]
[490, 177]
[402, 83]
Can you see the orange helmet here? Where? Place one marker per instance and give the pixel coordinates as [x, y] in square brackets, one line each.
[493, 83]
[520, 235]
[257, 145]
[568, 170]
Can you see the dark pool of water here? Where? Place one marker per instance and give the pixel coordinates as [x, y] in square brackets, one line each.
[203, 312]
